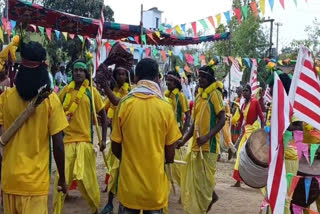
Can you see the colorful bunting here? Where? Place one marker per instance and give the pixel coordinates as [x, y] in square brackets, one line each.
[295, 2]
[181, 56]
[238, 14]
[183, 27]
[65, 35]
[161, 28]
[225, 60]
[187, 69]
[239, 60]
[294, 183]
[34, 28]
[245, 11]
[178, 29]
[282, 3]
[289, 179]
[144, 39]
[71, 36]
[13, 24]
[194, 28]
[210, 18]
[313, 149]
[140, 51]
[148, 52]
[297, 209]
[164, 55]
[271, 2]
[263, 6]
[150, 35]
[247, 61]
[190, 59]
[137, 39]
[203, 23]
[41, 29]
[254, 9]
[307, 184]
[132, 50]
[287, 136]
[57, 34]
[158, 34]
[169, 30]
[81, 38]
[170, 53]
[227, 15]
[196, 59]
[49, 31]
[218, 17]
[155, 52]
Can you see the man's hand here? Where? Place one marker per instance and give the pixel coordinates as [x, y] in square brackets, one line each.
[179, 144]
[103, 145]
[62, 186]
[202, 140]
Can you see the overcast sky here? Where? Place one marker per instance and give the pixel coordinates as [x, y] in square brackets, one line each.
[294, 19]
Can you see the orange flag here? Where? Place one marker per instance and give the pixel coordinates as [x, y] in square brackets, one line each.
[210, 18]
[294, 183]
[164, 55]
[253, 6]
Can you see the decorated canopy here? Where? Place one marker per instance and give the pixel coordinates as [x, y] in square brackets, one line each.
[27, 13]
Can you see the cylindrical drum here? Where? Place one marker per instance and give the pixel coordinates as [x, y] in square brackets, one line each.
[253, 160]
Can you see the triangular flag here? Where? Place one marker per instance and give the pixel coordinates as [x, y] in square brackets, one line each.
[155, 52]
[144, 39]
[164, 55]
[294, 183]
[282, 3]
[57, 34]
[48, 31]
[170, 53]
[271, 2]
[218, 17]
[34, 28]
[190, 59]
[245, 11]
[210, 18]
[169, 30]
[140, 51]
[81, 38]
[289, 179]
[254, 9]
[148, 52]
[136, 38]
[295, 2]
[132, 50]
[71, 36]
[280, 62]
[297, 209]
[307, 184]
[237, 11]
[1, 35]
[203, 23]
[158, 34]
[178, 29]
[65, 35]
[151, 37]
[312, 212]
[239, 59]
[181, 56]
[263, 6]
[131, 39]
[247, 61]
[161, 28]
[227, 15]
[41, 29]
[259, 60]
[183, 27]
[287, 136]
[313, 149]
[187, 68]
[194, 28]
[13, 24]
[196, 60]
[301, 148]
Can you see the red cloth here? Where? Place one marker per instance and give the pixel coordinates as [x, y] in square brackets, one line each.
[191, 106]
[253, 113]
[236, 175]
[73, 185]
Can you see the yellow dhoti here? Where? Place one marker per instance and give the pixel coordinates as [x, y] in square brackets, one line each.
[197, 185]
[80, 165]
[18, 204]
[113, 170]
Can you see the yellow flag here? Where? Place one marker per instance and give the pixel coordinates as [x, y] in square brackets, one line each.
[1, 35]
[65, 34]
[158, 34]
[218, 17]
[178, 29]
[263, 6]
[132, 49]
[239, 59]
[280, 62]
[170, 53]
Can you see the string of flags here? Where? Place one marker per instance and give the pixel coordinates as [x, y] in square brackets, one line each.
[257, 8]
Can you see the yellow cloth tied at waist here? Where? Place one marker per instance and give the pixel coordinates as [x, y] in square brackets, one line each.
[113, 164]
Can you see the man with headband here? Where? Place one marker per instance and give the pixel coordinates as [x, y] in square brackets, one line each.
[208, 118]
[27, 155]
[77, 100]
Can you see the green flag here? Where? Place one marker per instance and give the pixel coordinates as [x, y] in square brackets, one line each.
[144, 39]
[287, 136]
[295, 2]
[41, 29]
[313, 149]
[203, 23]
[155, 52]
[81, 38]
[161, 28]
[245, 11]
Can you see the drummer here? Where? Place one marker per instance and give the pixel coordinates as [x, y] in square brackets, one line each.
[249, 113]
[291, 156]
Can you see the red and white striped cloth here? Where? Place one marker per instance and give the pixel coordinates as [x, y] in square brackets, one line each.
[280, 120]
[254, 77]
[267, 98]
[99, 38]
[305, 89]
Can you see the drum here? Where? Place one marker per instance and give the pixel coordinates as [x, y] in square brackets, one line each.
[253, 160]
[299, 196]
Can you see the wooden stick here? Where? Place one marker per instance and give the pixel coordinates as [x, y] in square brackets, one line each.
[180, 162]
[171, 181]
[201, 154]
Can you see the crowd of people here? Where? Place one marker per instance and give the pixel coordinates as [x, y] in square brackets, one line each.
[159, 139]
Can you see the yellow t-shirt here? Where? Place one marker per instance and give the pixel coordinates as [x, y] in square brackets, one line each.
[144, 125]
[205, 119]
[25, 163]
[118, 92]
[80, 127]
[180, 106]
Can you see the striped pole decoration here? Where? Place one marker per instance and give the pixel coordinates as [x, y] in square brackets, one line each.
[254, 77]
[99, 38]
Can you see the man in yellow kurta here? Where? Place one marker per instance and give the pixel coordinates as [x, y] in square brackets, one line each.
[78, 105]
[27, 156]
[198, 176]
[180, 108]
[143, 137]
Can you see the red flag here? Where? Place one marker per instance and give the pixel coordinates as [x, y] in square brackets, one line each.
[237, 11]
[194, 28]
[210, 18]
[187, 68]
[253, 6]
[48, 31]
[282, 3]
[294, 183]
[169, 30]
[164, 55]
[137, 39]
[99, 39]
[71, 36]
[148, 52]
[151, 37]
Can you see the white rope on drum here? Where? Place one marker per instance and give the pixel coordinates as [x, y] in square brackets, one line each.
[252, 174]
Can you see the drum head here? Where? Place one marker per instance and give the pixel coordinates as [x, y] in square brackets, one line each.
[305, 167]
[257, 147]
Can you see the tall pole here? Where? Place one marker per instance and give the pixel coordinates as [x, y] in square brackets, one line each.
[278, 24]
[271, 34]
[141, 24]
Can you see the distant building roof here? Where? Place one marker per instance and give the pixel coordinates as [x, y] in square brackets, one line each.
[155, 9]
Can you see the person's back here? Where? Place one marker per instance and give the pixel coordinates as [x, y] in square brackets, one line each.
[145, 127]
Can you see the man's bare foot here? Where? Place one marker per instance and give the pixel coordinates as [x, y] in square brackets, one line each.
[236, 184]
